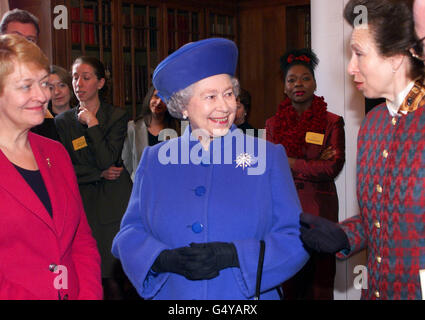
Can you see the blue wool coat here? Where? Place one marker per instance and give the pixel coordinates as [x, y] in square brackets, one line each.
[204, 197]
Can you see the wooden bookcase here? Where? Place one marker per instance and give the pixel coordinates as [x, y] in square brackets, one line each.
[132, 36]
[131, 45]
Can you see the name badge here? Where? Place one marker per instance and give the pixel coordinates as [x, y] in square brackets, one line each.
[314, 138]
[79, 143]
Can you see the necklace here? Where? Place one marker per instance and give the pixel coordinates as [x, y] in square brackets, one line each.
[289, 128]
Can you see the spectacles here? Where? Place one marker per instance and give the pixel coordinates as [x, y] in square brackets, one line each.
[417, 50]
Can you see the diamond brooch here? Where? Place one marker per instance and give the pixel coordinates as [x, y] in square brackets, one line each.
[244, 160]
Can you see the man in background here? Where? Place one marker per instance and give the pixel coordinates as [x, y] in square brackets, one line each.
[20, 22]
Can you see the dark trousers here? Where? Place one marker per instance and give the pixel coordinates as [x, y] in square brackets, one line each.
[119, 287]
[315, 281]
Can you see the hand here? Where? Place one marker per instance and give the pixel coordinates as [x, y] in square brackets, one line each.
[322, 235]
[186, 261]
[112, 173]
[221, 254]
[201, 261]
[328, 153]
[86, 117]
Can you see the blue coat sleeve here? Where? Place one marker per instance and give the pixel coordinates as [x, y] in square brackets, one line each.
[134, 244]
[284, 254]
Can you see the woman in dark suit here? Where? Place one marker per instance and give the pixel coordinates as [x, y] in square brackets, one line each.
[46, 247]
[314, 140]
[94, 133]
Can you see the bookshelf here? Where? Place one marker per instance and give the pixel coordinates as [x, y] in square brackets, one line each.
[132, 36]
[221, 25]
[139, 51]
[183, 26]
[91, 32]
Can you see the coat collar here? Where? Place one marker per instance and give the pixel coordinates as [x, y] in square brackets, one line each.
[17, 187]
[221, 150]
[414, 97]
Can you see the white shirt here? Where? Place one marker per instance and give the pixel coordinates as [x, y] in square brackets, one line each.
[393, 107]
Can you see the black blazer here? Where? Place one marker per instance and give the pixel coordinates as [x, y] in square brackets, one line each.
[93, 150]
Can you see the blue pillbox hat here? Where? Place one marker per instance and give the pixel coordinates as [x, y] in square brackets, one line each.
[193, 62]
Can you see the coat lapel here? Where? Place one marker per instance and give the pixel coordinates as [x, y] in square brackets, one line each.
[13, 183]
[50, 171]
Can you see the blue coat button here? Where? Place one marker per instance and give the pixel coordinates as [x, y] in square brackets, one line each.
[197, 227]
[200, 191]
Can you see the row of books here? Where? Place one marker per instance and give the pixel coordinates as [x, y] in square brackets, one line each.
[181, 26]
[221, 27]
[140, 83]
[183, 22]
[90, 13]
[139, 20]
[91, 36]
[90, 30]
[139, 38]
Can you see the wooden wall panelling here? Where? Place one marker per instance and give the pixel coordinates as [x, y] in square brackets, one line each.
[262, 40]
[297, 34]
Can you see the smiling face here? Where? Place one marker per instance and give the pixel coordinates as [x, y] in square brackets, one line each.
[300, 85]
[25, 96]
[240, 112]
[212, 107]
[85, 82]
[156, 105]
[372, 72]
[61, 93]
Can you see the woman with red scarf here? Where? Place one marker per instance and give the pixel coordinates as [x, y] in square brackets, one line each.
[314, 141]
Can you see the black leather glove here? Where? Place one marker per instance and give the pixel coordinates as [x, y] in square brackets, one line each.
[322, 235]
[221, 254]
[189, 262]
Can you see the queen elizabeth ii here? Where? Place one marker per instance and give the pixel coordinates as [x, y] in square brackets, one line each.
[193, 227]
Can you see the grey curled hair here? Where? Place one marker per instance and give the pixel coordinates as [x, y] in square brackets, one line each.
[179, 100]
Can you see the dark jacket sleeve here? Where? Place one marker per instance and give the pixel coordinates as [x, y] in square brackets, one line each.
[87, 174]
[106, 142]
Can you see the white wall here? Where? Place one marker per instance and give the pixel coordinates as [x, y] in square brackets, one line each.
[331, 42]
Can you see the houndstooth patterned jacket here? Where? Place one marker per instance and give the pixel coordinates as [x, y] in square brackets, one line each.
[391, 195]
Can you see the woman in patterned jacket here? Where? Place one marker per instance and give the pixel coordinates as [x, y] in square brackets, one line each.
[391, 150]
